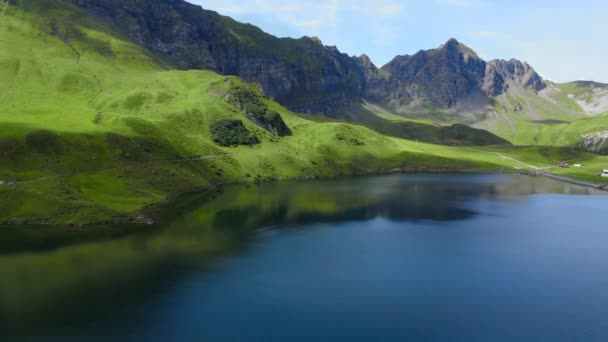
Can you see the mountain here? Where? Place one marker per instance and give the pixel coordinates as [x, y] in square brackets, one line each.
[445, 77]
[302, 74]
[441, 76]
[452, 84]
[449, 84]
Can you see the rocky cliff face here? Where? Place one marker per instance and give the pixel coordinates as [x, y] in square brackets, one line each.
[302, 74]
[440, 76]
[501, 73]
[444, 76]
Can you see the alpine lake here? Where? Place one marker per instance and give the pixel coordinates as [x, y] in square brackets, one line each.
[418, 257]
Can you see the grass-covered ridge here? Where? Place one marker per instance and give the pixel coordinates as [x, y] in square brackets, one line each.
[93, 128]
[385, 122]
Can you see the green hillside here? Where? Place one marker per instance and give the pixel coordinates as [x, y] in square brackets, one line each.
[551, 117]
[547, 119]
[94, 128]
[384, 122]
[590, 97]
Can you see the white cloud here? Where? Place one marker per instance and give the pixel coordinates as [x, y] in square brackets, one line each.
[232, 7]
[303, 15]
[325, 15]
[307, 16]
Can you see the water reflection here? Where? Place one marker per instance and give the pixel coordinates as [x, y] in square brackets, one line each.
[396, 198]
[58, 287]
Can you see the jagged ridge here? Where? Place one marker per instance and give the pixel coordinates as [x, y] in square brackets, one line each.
[445, 75]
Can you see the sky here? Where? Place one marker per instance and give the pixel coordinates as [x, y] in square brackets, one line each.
[563, 40]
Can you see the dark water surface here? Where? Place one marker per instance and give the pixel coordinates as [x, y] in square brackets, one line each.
[391, 258]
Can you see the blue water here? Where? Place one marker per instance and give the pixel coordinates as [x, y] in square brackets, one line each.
[398, 258]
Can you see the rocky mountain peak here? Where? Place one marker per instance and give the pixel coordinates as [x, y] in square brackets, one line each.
[449, 74]
[366, 61]
[452, 41]
[451, 44]
[317, 40]
[439, 76]
[369, 68]
[514, 72]
[454, 45]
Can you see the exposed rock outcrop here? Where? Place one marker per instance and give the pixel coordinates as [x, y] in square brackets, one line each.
[596, 142]
[444, 76]
[499, 73]
[440, 76]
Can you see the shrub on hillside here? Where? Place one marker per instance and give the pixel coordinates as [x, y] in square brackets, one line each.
[232, 133]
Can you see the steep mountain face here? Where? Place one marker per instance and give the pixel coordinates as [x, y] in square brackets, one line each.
[501, 73]
[444, 76]
[375, 79]
[302, 74]
[440, 76]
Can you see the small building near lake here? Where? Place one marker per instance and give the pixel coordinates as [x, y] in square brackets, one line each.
[605, 173]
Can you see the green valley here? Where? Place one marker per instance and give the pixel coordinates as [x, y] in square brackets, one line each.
[95, 128]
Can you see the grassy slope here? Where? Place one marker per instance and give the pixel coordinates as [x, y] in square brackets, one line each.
[586, 92]
[385, 122]
[546, 120]
[113, 130]
[523, 117]
[591, 168]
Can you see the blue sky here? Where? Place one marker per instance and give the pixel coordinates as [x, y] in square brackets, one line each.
[563, 40]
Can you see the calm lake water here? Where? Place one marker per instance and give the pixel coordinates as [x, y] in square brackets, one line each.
[390, 258]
